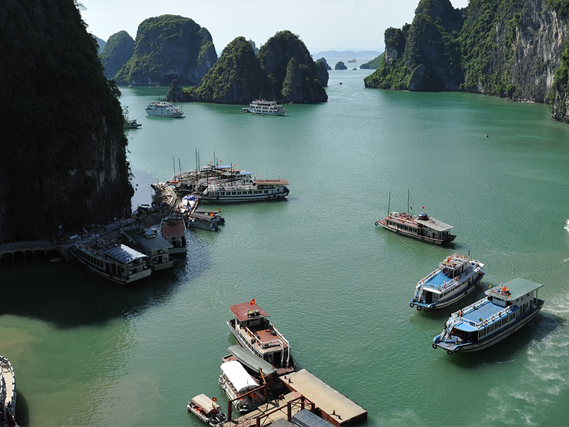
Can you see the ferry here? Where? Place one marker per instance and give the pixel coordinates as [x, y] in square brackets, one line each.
[455, 278]
[502, 312]
[239, 386]
[247, 190]
[150, 243]
[207, 410]
[115, 262]
[420, 227]
[7, 393]
[173, 229]
[265, 108]
[254, 332]
[164, 109]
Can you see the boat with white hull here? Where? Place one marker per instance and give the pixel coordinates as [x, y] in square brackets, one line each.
[173, 229]
[7, 393]
[151, 243]
[504, 310]
[164, 109]
[419, 227]
[265, 108]
[455, 278]
[240, 387]
[255, 333]
[206, 410]
[246, 191]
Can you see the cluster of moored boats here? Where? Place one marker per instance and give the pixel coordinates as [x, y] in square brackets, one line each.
[250, 374]
[503, 311]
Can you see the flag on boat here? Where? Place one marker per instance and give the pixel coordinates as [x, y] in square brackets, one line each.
[214, 399]
[252, 302]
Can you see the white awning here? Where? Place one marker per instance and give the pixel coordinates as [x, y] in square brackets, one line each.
[238, 376]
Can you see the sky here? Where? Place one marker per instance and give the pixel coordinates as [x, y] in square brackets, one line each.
[321, 24]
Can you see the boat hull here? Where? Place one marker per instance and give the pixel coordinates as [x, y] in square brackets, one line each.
[490, 340]
[451, 300]
[426, 239]
[121, 280]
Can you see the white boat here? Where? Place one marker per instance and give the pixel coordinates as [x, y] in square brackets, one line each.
[7, 393]
[206, 410]
[163, 109]
[419, 227]
[149, 242]
[265, 108]
[247, 190]
[567, 224]
[455, 278]
[173, 229]
[132, 123]
[254, 332]
[502, 312]
[239, 386]
[188, 203]
[115, 262]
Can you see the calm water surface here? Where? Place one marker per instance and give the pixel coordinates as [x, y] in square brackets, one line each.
[91, 353]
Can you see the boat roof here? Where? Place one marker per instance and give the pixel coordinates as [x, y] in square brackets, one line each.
[123, 254]
[272, 181]
[171, 230]
[204, 402]
[153, 243]
[243, 311]
[252, 362]
[435, 224]
[236, 373]
[517, 287]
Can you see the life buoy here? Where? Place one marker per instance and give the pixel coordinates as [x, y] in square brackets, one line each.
[434, 346]
[411, 305]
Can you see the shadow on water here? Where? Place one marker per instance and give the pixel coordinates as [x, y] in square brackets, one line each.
[22, 409]
[68, 295]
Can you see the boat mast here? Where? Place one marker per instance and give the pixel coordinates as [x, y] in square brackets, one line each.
[389, 203]
[174, 164]
[408, 202]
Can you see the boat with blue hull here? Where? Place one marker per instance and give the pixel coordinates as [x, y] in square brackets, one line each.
[456, 277]
[503, 311]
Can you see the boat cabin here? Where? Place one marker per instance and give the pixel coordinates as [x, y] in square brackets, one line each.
[236, 382]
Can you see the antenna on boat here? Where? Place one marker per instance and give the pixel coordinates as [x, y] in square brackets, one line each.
[174, 164]
[180, 165]
[389, 203]
[408, 201]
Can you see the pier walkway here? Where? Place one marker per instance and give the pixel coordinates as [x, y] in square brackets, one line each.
[25, 248]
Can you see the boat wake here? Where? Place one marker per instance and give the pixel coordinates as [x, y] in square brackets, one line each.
[541, 379]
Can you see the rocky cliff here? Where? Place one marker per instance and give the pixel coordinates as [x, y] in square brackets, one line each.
[508, 48]
[63, 145]
[117, 52]
[282, 70]
[169, 47]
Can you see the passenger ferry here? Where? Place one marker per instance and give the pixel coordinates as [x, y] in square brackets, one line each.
[173, 229]
[502, 312]
[239, 386]
[115, 262]
[246, 191]
[150, 243]
[265, 108]
[455, 278]
[254, 332]
[207, 410]
[7, 393]
[420, 227]
[164, 109]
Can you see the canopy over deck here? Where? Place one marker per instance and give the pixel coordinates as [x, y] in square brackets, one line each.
[252, 362]
[435, 224]
[516, 288]
[246, 310]
[271, 182]
[236, 373]
[204, 402]
[123, 254]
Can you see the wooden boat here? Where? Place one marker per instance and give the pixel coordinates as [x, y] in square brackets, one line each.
[254, 332]
[207, 410]
[502, 312]
[455, 278]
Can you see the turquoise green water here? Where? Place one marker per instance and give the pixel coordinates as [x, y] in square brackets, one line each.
[91, 353]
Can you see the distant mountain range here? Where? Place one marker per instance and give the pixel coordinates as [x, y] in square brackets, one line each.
[346, 53]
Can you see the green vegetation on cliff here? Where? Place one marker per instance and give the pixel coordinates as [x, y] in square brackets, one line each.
[373, 64]
[169, 47]
[63, 149]
[118, 50]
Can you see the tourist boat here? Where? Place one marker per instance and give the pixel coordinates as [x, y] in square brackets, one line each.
[7, 393]
[455, 278]
[173, 229]
[188, 203]
[239, 386]
[163, 109]
[265, 108]
[149, 242]
[247, 190]
[254, 332]
[207, 410]
[420, 227]
[502, 312]
[202, 221]
[115, 262]
[132, 124]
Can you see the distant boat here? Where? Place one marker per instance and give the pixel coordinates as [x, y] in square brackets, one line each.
[132, 124]
[502, 312]
[265, 108]
[164, 109]
[352, 60]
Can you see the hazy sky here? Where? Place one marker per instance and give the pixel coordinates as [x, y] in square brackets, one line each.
[321, 24]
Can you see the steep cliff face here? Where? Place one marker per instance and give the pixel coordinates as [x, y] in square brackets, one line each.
[117, 52]
[236, 77]
[509, 48]
[169, 47]
[559, 93]
[275, 57]
[63, 145]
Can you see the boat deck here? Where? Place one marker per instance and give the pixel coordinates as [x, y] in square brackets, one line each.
[438, 280]
[484, 311]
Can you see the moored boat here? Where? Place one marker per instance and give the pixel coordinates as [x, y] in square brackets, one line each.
[265, 108]
[149, 242]
[7, 393]
[419, 227]
[173, 229]
[132, 124]
[207, 410]
[488, 321]
[246, 191]
[239, 386]
[164, 109]
[254, 332]
[455, 278]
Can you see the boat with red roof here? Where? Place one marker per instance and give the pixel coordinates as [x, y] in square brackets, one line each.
[254, 332]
